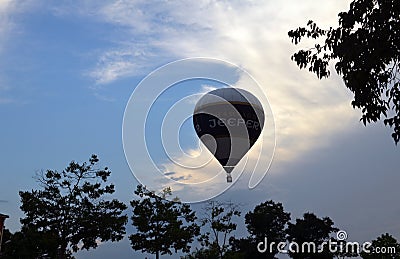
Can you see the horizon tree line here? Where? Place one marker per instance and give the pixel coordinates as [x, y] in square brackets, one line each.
[74, 210]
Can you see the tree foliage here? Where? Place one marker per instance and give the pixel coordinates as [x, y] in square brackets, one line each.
[311, 229]
[343, 250]
[267, 220]
[72, 205]
[161, 224]
[384, 247]
[366, 52]
[30, 244]
[219, 220]
[204, 253]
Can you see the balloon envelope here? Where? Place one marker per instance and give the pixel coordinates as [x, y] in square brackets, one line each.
[228, 121]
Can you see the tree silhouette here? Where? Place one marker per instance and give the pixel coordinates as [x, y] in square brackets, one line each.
[267, 220]
[30, 244]
[219, 219]
[310, 229]
[161, 225]
[346, 250]
[384, 247]
[72, 206]
[366, 52]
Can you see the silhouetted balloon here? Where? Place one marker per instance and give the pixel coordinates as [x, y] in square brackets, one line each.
[228, 121]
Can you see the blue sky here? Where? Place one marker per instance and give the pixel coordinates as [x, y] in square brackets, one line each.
[68, 70]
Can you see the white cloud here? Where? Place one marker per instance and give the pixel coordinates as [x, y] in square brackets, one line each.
[204, 89]
[114, 64]
[249, 33]
[9, 9]
[6, 8]
[238, 31]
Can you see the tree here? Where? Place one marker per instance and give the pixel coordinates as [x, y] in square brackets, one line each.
[344, 250]
[5, 238]
[267, 220]
[30, 244]
[384, 247]
[161, 224]
[203, 253]
[310, 229]
[72, 205]
[366, 52]
[218, 217]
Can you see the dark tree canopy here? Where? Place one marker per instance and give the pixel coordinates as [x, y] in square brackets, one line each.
[384, 247]
[30, 244]
[72, 205]
[267, 220]
[218, 219]
[161, 225]
[311, 229]
[366, 52]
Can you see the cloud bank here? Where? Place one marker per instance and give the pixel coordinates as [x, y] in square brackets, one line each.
[251, 34]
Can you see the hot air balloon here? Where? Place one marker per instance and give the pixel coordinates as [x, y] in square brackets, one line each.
[228, 121]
